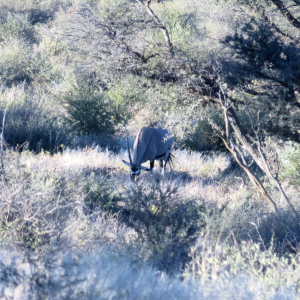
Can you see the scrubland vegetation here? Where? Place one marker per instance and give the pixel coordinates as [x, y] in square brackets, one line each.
[222, 76]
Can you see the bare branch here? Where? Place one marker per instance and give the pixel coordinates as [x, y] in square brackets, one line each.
[276, 181]
[160, 25]
[256, 182]
[236, 151]
[286, 13]
[268, 18]
[266, 164]
[2, 141]
[224, 104]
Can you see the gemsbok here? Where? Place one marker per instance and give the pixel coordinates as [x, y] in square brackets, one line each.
[150, 144]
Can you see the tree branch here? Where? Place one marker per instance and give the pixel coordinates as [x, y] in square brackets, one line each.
[236, 151]
[160, 25]
[269, 20]
[286, 13]
[267, 165]
[256, 182]
[2, 141]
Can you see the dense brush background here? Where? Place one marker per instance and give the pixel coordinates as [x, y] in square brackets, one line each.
[72, 223]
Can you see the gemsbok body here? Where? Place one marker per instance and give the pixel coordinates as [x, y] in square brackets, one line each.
[150, 144]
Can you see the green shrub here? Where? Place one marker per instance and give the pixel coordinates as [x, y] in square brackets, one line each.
[99, 193]
[32, 119]
[89, 112]
[200, 136]
[166, 224]
[16, 26]
[19, 63]
[289, 156]
[35, 204]
[18, 5]
[36, 11]
[182, 22]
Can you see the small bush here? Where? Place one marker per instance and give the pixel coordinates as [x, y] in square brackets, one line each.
[166, 224]
[32, 119]
[19, 63]
[90, 113]
[219, 265]
[36, 11]
[99, 193]
[200, 136]
[182, 22]
[16, 26]
[289, 156]
[35, 205]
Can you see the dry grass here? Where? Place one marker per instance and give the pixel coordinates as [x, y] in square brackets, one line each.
[46, 212]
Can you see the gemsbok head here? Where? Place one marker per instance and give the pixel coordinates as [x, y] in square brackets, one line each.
[150, 144]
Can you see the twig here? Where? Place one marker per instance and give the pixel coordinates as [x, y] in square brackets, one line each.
[286, 13]
[160, 25]
[2, 141]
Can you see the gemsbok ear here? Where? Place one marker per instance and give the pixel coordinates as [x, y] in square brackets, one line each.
[144, 168]
[126, 163]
